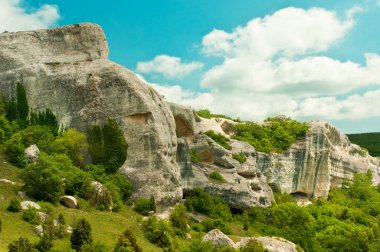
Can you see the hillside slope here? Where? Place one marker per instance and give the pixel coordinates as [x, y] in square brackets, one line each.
[370, 141]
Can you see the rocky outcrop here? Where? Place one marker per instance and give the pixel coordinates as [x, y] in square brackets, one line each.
[272, 244]
[66, 69]
[312, 166]
[238, 191]
[218, 239]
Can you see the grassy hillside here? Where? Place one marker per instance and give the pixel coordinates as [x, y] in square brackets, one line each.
[370, 141]
[106, 226]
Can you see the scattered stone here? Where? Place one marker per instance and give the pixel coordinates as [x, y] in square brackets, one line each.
[43, 216]
[21, 194]
[39, 230]
[31, 153]
[69, 201]
[218, 238]
[69, 229]
[29, 204]
[100, 195]
[8, 181]
[272, 244]
[188, 236]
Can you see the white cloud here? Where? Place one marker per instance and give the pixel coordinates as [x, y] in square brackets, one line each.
[170, 67]
[275, 65]
[14, 17]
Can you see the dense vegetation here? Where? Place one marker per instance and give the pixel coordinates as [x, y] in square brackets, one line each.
[219, 139]
[205, 113]
[275, 135]
[370, 141]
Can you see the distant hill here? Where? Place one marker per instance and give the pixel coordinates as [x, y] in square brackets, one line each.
[370, 141]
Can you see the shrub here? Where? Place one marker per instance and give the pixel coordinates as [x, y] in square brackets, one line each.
[45, 118]
[194, 156]
[45, 244]
[219, 139]
[178, 219]
[14, 205]
[22, 103]
[127, 242]
[363, 152]
[197, 245]
[216, 176]
[94, 247]
[21, 245]
[158, 232]
[210, 224]
[143, 206]
[276, 135]
[1, 225]
[205, 113]
[81, 235]
[202, 202]
[43, 180]
[241, 157]
[253, 246]
[31, 215]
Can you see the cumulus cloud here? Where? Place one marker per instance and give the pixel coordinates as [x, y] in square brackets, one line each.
[15, 17]
[275, 65]
[170, 67]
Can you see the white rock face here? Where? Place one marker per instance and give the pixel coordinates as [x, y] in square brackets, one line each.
[321, 161]
[31, 153]
[218, 238]
[69, 201]
[66, 69]
[29, 204]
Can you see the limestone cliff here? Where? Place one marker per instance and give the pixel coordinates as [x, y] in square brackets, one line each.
[309, 168]
[67, 70]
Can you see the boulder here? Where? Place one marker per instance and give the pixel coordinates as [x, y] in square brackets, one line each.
[272, 244]
[43, 216]
[39, 230]
[100, 196]
[69, 201]
[67, 70]
[218, 239]
[8, 181]
[69, 229]
[31, 153]
[29, 204]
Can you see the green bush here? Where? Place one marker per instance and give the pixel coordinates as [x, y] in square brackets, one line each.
[44, 244]
[144, 206]
[31, 215]
[363, 152]
[216, 176]
[202, 202]
[210, 224]
[205, 113]
[194, 156]
[276, 135]
[14, 205]
[94, 247]
[179, 219]
[21, 245]
[127, 243]
[253, 246]
[158, 232]
[197, 245]
[219, 139]
[241, 157]
[45, 118]
[81, 235]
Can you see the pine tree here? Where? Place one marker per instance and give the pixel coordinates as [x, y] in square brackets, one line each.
[127, 242]
[81, 235]
[21, 245]
[152, 203]
[22, 103]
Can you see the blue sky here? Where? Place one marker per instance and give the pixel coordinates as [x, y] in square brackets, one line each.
[193, 52]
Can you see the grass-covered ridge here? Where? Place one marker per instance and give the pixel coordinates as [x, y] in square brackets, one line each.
[276, 134]
[370, 141]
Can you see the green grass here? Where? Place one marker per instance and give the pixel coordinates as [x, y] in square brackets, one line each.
[219, 139]
[370, 141]
[106, 226]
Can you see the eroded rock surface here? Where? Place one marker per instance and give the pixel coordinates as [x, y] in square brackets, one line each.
[66, 69]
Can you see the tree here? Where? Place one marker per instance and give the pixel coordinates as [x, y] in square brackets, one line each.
[22, 103]
[45, 243]
[152, 204]
[81, 235]
[127, 243]
[14, 205]
[21, 245]
[178, 218]
[43, 179]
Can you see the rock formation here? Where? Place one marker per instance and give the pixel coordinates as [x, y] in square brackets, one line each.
[67, 70]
